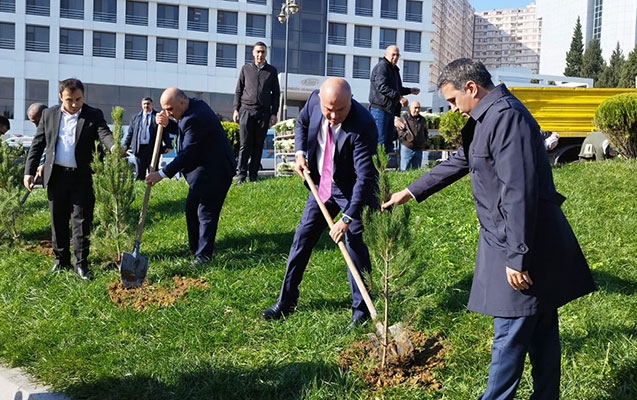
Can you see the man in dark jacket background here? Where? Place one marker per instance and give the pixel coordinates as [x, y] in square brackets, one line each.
[520, 279]
[413, 133]
[386, 93]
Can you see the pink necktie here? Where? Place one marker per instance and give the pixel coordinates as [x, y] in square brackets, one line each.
[325, 185]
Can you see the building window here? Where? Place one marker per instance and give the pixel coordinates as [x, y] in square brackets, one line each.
[337, 34]
[338, 6]
[361, 67]
[227, 22]
[389, 9]
[197, 19]
[6, 97]
[36, 91]
[37, 38]
[167, 16]
[136, 13]
[387, 38]
[597, 19]
[103, 44]
[412, 41]
[263, 2]
[196, 53]
[105, 10]
[411, 71]
[364, 8]
[363, 36]
[226, 55]
[255, 25]
[336, 65]
[7, 6]
[73, 9]
[249, 58]
[136, 47]
[71, 41]
[7, 35]
[166, 50]
[38, 7]
[413, 12]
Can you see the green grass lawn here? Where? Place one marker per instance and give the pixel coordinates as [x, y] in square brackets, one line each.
[214, 344]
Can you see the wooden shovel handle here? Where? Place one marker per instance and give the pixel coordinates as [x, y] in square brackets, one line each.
[153, 167]
[343, 248]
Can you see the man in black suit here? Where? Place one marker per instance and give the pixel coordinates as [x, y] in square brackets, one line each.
[205, 158]
[68, 134]
[141, 135]
[335, 140]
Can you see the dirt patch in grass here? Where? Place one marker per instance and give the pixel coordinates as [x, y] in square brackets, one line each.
[148, 295]
[362, 359]
[43, 247]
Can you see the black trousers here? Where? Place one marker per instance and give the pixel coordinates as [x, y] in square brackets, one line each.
[253, 127]
[70, 195]
[202, 219]
[144, 156]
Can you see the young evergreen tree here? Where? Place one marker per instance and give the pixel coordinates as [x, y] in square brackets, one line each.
[609, 77]
[11, 188]
[629, 70]
[593, 62]
[575, 54]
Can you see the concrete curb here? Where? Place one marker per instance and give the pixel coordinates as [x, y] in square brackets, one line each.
[15, 384]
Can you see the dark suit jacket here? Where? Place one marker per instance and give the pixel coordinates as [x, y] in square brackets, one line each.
[91, 126]
[386, 87]
[353, 173]
[131, 139]
[204, 155]
[521, 223]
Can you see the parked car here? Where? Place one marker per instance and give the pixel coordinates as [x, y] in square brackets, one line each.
[267, 157]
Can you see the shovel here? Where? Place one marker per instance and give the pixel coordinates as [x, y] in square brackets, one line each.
[133, 266]
[400, 346]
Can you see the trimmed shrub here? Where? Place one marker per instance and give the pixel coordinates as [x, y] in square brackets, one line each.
[232, 133]
[450, 125]
[616, 117]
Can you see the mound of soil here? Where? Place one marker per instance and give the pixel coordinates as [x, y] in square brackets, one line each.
[43, 247]
[362, 358]
[147, 295]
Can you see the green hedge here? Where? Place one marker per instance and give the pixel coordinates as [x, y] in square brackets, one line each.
[616, 117]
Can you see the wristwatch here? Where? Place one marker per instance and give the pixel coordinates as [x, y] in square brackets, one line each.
[346, 219]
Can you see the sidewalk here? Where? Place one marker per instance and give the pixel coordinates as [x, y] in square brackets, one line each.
[16, 384]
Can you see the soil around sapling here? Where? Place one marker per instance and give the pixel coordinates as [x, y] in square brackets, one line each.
[148, 295]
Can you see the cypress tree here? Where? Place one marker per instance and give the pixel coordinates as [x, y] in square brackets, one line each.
[575, 55]
[609, 78]
[629, 70]
[593, 62]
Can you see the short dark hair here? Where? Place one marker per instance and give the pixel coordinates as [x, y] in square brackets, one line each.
[462, 70]
[36, 109]
[71, 84]
[4, 121]
[260, 44]
[147, 99]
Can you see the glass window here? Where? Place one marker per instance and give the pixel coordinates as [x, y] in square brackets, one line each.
[248, 55]
[6, 97]
[255, 25]
[7, 35]
[196, 52]
[361, 67]
[364, 8]
[7, 6]
[136, 13]
[411, 71]
[227, 22]
[36, 91]
[167, 16]
[37, 38]
[412, 41]
[38, 7]
[166, 50]
[335, 65]
[197, 19]
[136, 47]
[338, 6]
[413, 11]
[73, 9]
[105, 10]
[337, 34]
[226, 55]
[71, 41]
[362, 36]
[104, 44]
[387, 38]
[389, 9]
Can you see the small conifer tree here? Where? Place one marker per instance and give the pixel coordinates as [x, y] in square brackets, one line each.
[114, 183]
[593, 63]
[629, 70]
[11, 188]
[576, 53]
[609, 78]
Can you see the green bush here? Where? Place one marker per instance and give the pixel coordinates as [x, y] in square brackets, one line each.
[616, 117]
[11, 170]
[450, 125]
[433, 120]
[232, 133]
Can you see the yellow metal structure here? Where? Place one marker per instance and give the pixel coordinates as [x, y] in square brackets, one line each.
[567, 111]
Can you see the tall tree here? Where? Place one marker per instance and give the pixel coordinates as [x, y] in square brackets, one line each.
[609, 78]
[575, 54]
[629, 70]
[593, 62]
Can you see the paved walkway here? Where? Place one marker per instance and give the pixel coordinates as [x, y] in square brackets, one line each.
[15, 384]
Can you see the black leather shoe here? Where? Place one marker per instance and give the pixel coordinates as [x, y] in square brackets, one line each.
[82, 272]
[57, 267]
[240, 181]
[356, 322]
[278, 310]
[200, 260]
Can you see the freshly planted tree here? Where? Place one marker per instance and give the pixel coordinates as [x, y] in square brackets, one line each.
[629, 70]
[575, 54]
[609, 77]
[616, 117]
[113, 183]
[593, 62]
[450, 125]
[11, 170]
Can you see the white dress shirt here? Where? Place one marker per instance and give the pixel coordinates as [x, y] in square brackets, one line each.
[322, 134]
[65, 146]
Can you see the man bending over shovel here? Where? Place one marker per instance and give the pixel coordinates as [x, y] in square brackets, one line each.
[335, 140]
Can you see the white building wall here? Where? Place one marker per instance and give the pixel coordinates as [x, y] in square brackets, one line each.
[619, 24]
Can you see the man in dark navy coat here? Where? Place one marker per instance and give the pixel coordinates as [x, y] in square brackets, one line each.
[335, 140]
[205, 159]
[528, 261]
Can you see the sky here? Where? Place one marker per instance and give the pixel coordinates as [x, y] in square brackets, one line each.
[486, 5]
